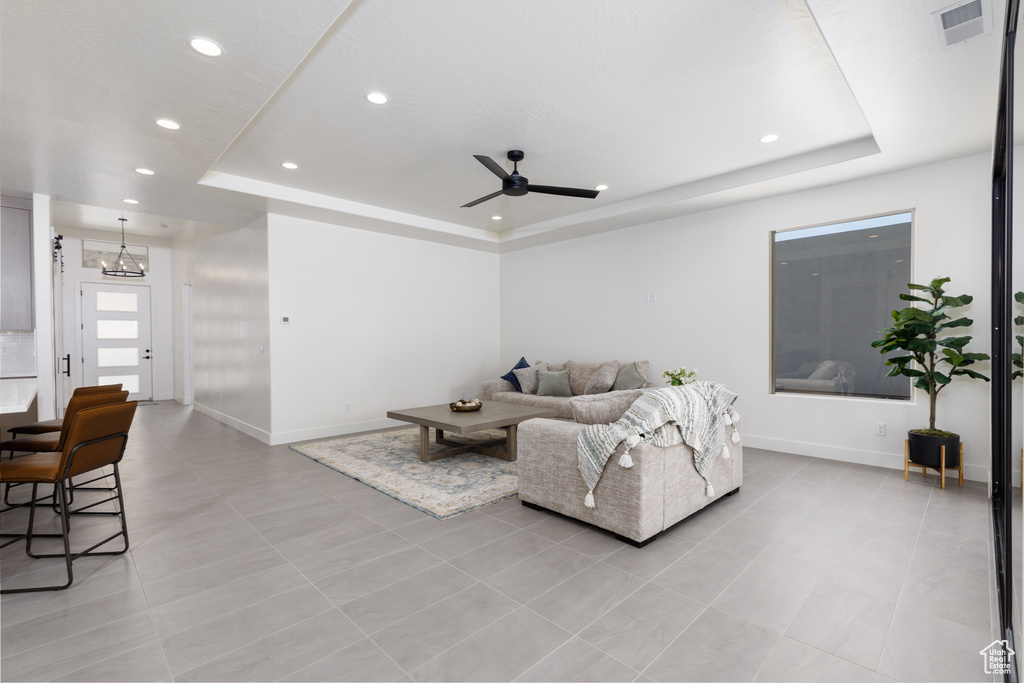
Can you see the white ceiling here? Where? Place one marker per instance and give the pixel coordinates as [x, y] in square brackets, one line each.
[662, 100]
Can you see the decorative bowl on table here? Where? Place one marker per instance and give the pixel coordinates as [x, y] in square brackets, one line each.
[462, 406]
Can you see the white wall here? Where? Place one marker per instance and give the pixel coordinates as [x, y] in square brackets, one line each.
[377, 321]
[158, 279]
[231, 376]
[582, 299]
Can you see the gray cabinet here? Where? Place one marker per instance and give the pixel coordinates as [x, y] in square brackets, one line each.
[16, 310]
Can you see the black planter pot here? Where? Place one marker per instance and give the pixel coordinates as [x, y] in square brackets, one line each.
[925, 450]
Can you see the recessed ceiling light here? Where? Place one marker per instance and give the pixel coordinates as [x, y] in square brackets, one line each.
[871, 237]
[813, 273]
[130, 201]
[771, 137]
[169, 124]
[899, 260]
[143, 171]
[290, 166]
[783, 263]
[376, 98]
[206, 47]
[601, 188]
[495, 218]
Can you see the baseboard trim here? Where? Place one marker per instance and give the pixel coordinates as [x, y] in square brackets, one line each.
[244, 427]
[889, 460]
[277, 438]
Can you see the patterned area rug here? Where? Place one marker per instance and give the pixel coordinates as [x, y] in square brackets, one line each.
[390, 463]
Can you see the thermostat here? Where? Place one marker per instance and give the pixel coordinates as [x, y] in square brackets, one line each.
[285, 320]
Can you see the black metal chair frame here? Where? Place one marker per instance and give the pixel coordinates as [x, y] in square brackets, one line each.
[62, 505]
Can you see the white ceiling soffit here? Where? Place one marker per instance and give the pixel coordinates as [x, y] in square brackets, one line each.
[661, 100]
[631, 95]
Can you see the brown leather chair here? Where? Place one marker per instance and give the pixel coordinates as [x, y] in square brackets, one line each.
[96, 438]
[47, 443]
[47, 426]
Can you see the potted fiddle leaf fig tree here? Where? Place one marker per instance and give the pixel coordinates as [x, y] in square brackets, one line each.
[1017, 358]
[930, 360]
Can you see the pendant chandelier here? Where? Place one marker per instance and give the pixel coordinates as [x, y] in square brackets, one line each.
[125, 265]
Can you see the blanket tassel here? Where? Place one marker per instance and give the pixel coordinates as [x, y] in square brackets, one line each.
[589, 500]
[711, 489]
[725, 452]
[626, 461]
[735, 437]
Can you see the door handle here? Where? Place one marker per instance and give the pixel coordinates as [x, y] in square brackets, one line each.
[67, 370]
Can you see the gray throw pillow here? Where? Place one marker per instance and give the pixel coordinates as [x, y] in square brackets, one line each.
[528, 377]
[602, 380]
[629, 378]
[553, 383]
[603, 408]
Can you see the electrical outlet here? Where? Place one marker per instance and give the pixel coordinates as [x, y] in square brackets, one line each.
[348, 407]
[880, 428]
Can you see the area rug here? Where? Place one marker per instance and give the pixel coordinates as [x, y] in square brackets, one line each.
[390, 463]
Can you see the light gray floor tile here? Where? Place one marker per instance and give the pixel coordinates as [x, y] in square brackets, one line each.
[207, 641]
[652, 559]
[640, 627]
[586, 596]
[767, 594]
[540, 573]
[801, 552]
[498, 555]
[363, 661]
[795, 662]
[81, 650]
[398, 600]
[557, 528]
[344, 557]
[577, 660]
[715, 647]
[703, 573]
[596, 544]
[501, 652]
[282, 653]
[368, 577]
[354, 529]
[143, 664]
[844, 623]
[471, 537]
[943, 589]
[191, 581]
[702, 524]
[422, 636]
[747, 535]
[952, 653]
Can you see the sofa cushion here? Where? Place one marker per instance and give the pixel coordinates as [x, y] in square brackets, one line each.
[580, 374]
[602, 380]
[552, 366]
[602, 409]
[553, 383]
[510, 376]
[559, 404]
[631, 377]
[528, 377]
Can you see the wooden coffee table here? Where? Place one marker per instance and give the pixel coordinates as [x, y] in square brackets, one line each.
[491, 415]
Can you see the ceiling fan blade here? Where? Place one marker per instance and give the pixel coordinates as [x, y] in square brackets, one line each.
[564, 191]
[493, 166]
[482, 199]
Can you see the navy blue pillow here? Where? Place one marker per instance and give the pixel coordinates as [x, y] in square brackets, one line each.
[511, 376]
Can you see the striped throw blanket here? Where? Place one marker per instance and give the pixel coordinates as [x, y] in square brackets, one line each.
[695, 414]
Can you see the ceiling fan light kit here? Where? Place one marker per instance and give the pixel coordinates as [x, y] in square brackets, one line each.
[515, 185]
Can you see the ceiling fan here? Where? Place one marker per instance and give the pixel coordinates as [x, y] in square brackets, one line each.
[516, 185]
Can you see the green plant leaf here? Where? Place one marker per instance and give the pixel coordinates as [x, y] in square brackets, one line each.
[911, 372]
[911, 285]
[911, 297]
[1019, 320]
[959, 322]
[922, 383]
[936, 284]
[955, 301]
[1019, 296]
[940, 378]
[954, 342]
[970, 373]
[952, 356]
[976, 356]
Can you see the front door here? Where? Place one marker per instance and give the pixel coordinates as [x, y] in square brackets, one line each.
[116, 337]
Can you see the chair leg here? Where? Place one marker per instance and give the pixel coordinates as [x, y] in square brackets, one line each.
[123, 520]
[29, 535]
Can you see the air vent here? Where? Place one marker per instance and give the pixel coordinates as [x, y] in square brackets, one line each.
[963, 21]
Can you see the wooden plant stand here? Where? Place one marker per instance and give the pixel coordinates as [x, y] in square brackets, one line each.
[941, 469]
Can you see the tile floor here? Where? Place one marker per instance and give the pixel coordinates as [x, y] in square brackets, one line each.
[251, 562]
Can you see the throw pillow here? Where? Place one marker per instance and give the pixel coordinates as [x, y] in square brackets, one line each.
[603, 408]
[602, 380]
[579, 375]
[553, 383]
[629, 378]
[510, 376]
[528, 377]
